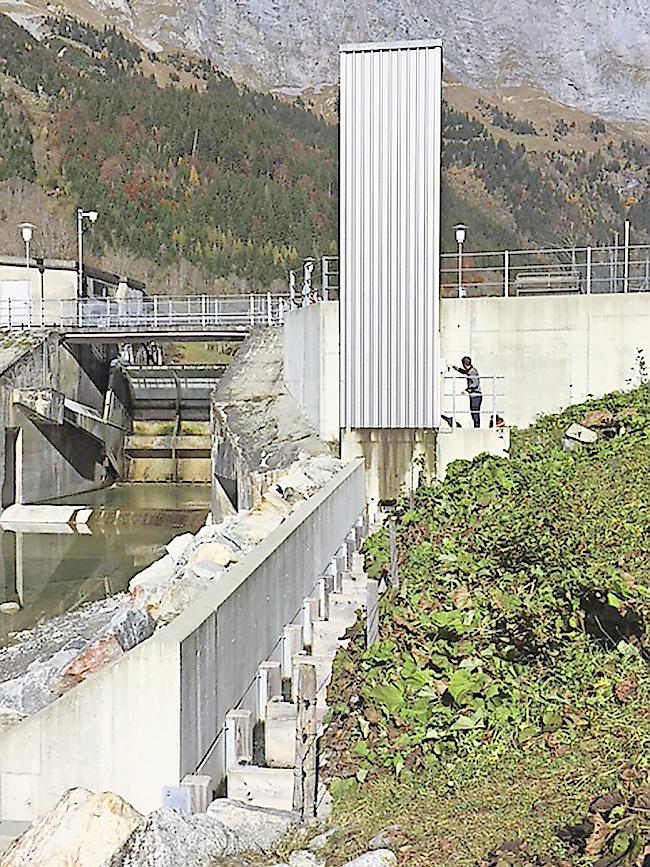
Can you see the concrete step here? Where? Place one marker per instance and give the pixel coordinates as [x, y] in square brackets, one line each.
[262, 787]
[280, 733]
[328, 637]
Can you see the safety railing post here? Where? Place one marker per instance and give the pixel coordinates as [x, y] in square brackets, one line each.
[588, 265]
[506, 273]
[252, 310]
[494, 400]
[203, 310]
[453, 402]
[155, 311]
[292, 290]
[325, 277]
[269, 312]
[9, 322]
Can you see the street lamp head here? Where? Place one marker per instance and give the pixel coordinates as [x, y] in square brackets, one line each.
[26, 230]
[460, 230]
[92, 216]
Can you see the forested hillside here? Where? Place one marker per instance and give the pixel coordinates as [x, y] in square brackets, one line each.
[204, 180]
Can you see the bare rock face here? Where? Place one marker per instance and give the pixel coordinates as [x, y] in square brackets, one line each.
[82, 830]
[169, 839]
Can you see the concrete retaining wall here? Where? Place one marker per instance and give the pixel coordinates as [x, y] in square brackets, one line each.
[157, 713]
[311, 364]
[552, 351]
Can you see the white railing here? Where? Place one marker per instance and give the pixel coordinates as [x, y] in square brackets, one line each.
[156, 313]
[618, 268]
[455, 404]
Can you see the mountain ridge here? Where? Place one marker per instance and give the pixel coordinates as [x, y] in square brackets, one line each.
[583, 53]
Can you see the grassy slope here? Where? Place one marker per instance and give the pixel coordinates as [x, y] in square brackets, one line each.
[495, 706]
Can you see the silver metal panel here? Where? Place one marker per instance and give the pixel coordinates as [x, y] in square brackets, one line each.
[390, 228]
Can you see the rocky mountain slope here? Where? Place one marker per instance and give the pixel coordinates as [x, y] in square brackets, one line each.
[590, 54]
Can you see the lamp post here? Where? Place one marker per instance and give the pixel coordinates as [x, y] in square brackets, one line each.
[27, 230]
[81, 216]
[460, 229]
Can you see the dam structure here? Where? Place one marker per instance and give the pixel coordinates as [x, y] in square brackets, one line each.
[329, 413]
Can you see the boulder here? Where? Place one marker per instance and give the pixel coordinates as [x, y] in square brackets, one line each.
[378, 858]
[177, 596]
[159, 573]
[214, 552]
[322, 841]
[126, 630]
[82, 830]
[598, 418]
[260, 827]
[170, 839]
[581, 434]
[130, 627]
[303, 858]
[102, 652]
[179, 545]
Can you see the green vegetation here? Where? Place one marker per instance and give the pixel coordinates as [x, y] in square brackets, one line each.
[16, 158]
[514, 654]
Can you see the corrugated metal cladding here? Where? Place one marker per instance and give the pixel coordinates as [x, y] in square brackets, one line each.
[390, 234]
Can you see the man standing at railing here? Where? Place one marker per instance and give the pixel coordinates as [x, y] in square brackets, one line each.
[473, 388]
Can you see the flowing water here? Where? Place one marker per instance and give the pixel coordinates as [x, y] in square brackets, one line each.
[52, 570]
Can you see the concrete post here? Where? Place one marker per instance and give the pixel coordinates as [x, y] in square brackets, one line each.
[309, 614]
[200, 786]
[323, 599]
[239, 738]
[292, 644]
[269, 685]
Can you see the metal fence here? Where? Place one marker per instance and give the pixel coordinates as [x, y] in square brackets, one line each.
[455, 405]
[157, 313]
[619, 268]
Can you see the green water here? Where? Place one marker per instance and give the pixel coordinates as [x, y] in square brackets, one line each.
[51, 573]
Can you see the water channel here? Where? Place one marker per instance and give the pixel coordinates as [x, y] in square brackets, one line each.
[52, 570]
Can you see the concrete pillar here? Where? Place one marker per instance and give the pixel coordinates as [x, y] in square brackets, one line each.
[269, 686]
[200, 786]
[309, 614]
[239, 738]
[292, 644]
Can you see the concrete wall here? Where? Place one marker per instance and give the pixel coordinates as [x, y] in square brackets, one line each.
[42, 460]
[311, 364]
[552, 351]
[158, 712]
[467, 444]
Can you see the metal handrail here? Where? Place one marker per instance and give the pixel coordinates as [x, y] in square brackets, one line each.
[158, 313]
[488, 391]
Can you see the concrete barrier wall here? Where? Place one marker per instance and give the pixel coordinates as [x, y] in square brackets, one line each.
[311, 364]
[156, 714]
[552, 351]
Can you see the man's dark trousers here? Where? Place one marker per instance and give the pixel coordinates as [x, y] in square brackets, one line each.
[475, 401]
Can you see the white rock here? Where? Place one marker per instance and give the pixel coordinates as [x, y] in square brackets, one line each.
[262, 828]
[581, 434]
[214, 552]
[159, 573]
[178, 546]
[378, 858]
[322, 840]
[303, 858]
[82, 830]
